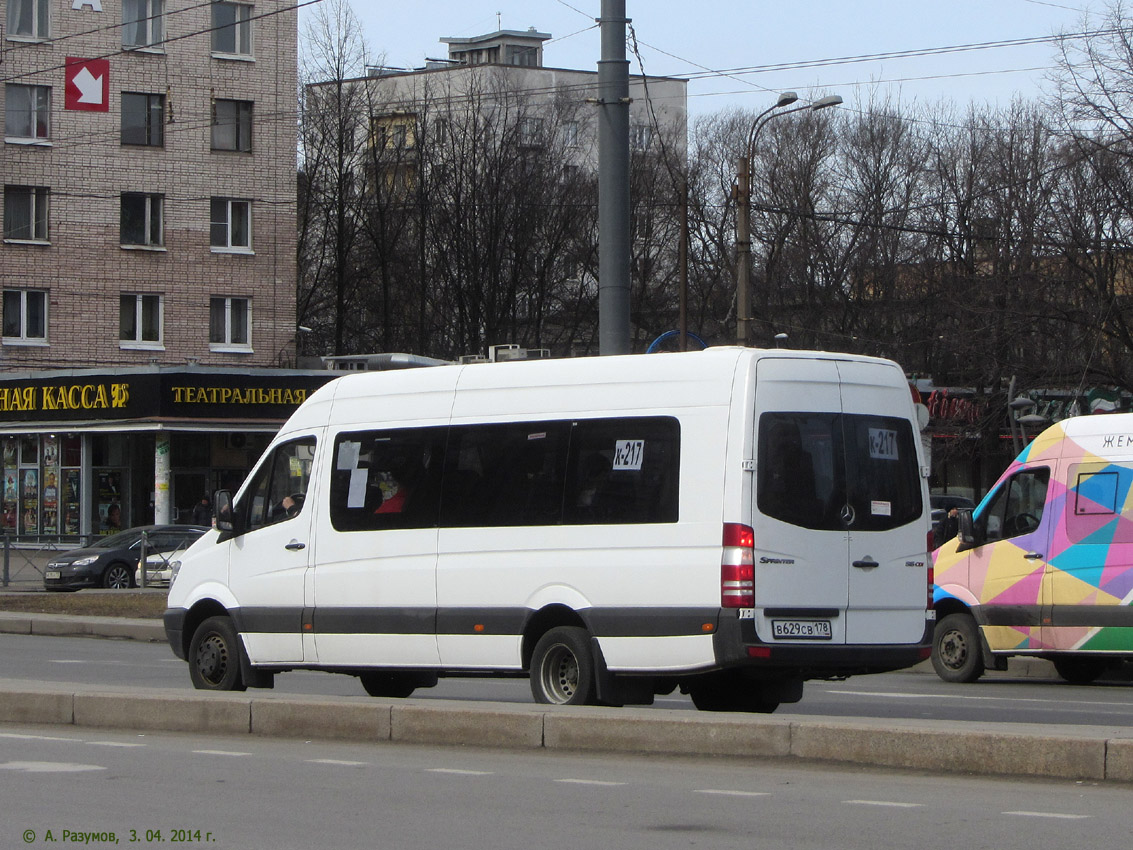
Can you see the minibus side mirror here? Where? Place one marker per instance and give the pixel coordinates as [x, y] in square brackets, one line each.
[967, 532]
[225, 516]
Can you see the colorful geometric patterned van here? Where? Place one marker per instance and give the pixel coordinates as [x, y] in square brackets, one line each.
[1044, 565]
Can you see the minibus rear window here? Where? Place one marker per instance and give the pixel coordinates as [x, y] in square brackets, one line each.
[834, 471]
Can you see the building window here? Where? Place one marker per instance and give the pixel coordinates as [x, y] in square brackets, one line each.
[570, 134]
[231, 224]
[27, 112]
[232, 28]
[141, 219]
[530, 132]
[25, 316]
[143, 119]
[230, 323]
[140, 320]
[25, 213]
[29, 18]
[142, 22]
[640, 137]
[232, 125]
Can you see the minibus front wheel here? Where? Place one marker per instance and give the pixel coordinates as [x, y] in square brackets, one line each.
[562, 668]
[214, 656]
[956, 652]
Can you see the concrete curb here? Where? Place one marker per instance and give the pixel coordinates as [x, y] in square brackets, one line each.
[71, 625]
[1004, 749]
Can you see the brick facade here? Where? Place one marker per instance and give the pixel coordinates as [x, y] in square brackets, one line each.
[83, 266]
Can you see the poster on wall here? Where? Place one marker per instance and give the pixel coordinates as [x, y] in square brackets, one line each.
[50, 501]
[30, 492]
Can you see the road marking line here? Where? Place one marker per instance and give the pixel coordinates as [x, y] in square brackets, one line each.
[587, 782]
[340, 762]
[728, 793]
[219, 753]
[49, 767]
[889, 803]
[966, 698]
[124, 744]
[1048, 815]
[457, 772]
[35, 737]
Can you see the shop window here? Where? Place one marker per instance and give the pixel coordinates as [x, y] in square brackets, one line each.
[232, 125]
[143, 119]
[232, 29]
[29, 19]
[230, 323]
[25, 213]
[140, 320]
[27, 113]
[142, 23]
[230, 225]
[25, 316]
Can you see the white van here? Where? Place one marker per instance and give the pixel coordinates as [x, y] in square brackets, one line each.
[1044, 566]
[730, 522]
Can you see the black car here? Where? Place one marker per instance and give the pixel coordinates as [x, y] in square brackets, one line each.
[111, 561]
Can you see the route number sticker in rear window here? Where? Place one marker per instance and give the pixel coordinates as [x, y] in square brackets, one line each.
[883, 444]
[628, 454]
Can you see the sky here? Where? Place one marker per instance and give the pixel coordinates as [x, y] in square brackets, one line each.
[704, 39]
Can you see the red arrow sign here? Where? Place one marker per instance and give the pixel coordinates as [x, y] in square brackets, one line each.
[87, 84]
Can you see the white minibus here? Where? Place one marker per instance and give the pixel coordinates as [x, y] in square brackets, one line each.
[730, 522]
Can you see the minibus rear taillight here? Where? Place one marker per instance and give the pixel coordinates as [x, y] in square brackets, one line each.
[931, 576]
[737, 567]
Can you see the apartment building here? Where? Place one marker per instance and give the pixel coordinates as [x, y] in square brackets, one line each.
[148, 254]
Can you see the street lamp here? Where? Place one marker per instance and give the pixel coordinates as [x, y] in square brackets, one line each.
[743, 203]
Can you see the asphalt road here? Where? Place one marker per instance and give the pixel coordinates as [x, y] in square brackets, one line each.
[250, 793]
[916, 696]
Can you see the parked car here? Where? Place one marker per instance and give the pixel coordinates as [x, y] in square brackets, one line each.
[159, 567]
[112, 561]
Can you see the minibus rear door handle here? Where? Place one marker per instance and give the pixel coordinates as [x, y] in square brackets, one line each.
[867, 563]
[1034, 556]
[295, 546]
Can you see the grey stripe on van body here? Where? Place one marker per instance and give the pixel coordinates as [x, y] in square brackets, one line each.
[601, 622]
[1060, 616]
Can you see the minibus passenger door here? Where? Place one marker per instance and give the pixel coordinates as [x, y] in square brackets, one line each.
[270, 551]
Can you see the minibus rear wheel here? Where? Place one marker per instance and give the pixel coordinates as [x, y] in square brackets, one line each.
[956, 653]
[562, 669]
[214, 656]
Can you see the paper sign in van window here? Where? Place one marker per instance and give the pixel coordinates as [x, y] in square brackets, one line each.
[348, 455]
[883, 444]
[628, 454]
[356, 495]
[881, 508]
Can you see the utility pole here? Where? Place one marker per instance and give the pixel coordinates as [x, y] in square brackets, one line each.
[613, 182]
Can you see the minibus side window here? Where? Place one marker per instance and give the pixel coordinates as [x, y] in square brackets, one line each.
[504, 474]
[1100, 495]
[1017, 507]
[386, 479]
[623, 471]
[278, 491]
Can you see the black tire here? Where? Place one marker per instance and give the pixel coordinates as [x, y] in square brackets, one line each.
[395, 685]
[118, 576]
[562, 668]
[957, 655]
[1080, 671]
[214, 656]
